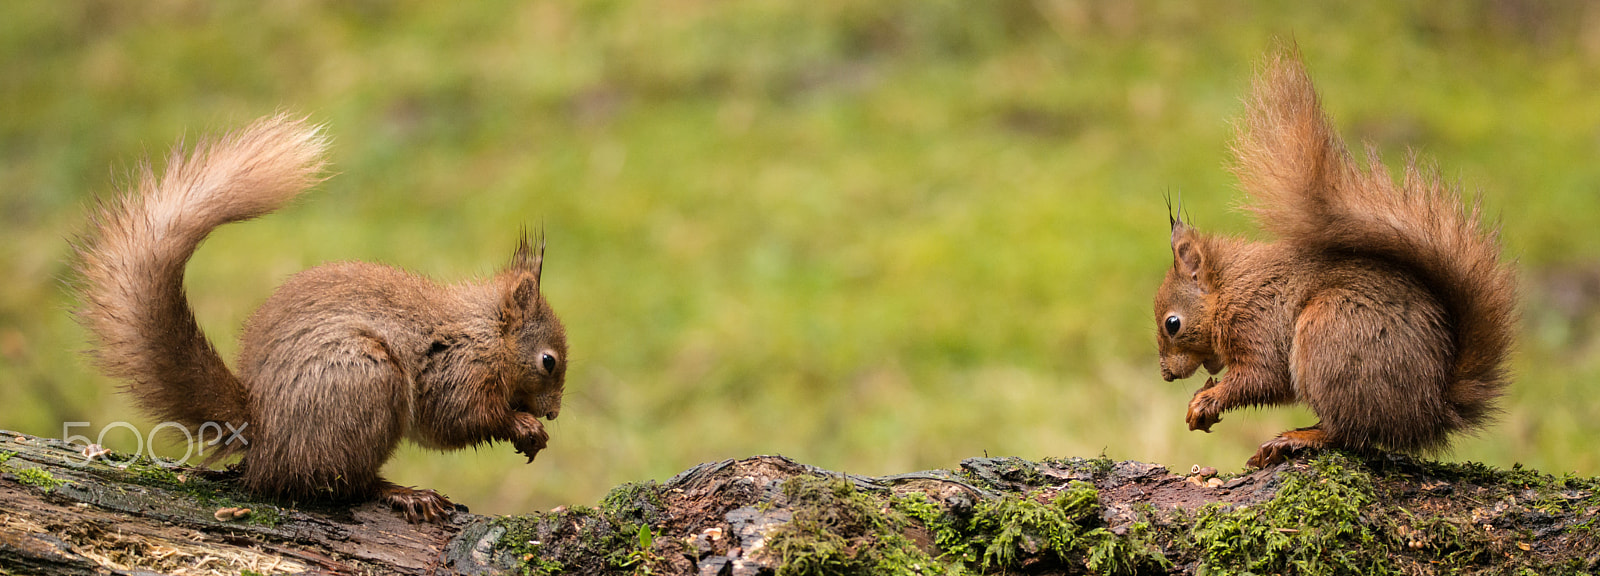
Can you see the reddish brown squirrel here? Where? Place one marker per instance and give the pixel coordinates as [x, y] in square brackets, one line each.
[339, 364]
[1383, 306]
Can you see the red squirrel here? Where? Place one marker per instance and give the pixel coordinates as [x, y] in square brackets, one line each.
[341, 362]
[1384, 306]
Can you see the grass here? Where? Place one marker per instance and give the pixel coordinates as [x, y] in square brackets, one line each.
[874, 237]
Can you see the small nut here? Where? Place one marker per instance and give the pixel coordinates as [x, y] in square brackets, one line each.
[1214, 483]
[224, 514]
[1194, 469]
[1206, 472]
[240, 513]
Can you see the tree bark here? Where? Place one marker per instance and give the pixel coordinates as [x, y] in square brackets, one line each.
[64, 513]
[74, 515]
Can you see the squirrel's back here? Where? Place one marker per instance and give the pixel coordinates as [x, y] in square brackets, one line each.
[131, 263]
[1309, 191]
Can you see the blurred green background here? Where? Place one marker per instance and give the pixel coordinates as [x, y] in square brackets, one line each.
[873, 236]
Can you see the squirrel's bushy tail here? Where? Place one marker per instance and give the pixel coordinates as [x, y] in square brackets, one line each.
[1310, 193]
[131, 263]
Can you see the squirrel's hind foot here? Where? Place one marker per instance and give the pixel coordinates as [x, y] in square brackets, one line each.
[1276, 450]
[416, 504]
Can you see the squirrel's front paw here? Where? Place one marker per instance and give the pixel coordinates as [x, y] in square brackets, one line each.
[528, 435]
[1205, 408]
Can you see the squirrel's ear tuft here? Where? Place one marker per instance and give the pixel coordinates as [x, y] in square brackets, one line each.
[1177, 219]
[538, 260]
[522, 296]
[1173, 219]
[1187, 256]
[529, 256]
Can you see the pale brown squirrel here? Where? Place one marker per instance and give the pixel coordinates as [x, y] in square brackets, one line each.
[341, 362]
[1383, 306]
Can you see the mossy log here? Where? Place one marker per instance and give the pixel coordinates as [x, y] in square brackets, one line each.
[64, 513]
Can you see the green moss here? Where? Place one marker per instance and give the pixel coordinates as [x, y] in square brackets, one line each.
[1313, 526]
[1463, 540]
[521, 533]
[1453, 543]
[521, 537]
[268, 516]
[1062, 530]
[539, 566]
[937, 520]
[1011, 528]
[1479, 473]
[155, 473]
[1334, 519]
[632, 509]
[607, 538]
[632, 504]
[149, 472]
[1135, 550]
[839, 530]
[1004, 534]
[581, 539]
[4, 456]
[38, 477]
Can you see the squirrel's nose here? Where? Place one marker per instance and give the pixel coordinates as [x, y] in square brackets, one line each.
[551, 415]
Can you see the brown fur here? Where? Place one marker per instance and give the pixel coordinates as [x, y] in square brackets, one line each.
[1383, 306]
[339, 364]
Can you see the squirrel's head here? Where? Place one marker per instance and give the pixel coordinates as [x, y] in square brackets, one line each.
[1182, 310]
[535, 335]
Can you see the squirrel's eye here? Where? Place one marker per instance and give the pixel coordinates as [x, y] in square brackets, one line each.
[549, 362]
[1173, 324]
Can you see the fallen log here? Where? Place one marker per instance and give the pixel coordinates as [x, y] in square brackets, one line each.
[62, 512]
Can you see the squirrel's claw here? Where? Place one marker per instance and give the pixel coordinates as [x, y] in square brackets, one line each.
[416, 505]
[528, 435]
[1205, 409]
